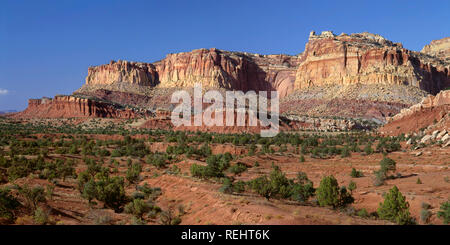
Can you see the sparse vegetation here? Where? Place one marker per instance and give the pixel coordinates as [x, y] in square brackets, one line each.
[395, 208]
[444, 212]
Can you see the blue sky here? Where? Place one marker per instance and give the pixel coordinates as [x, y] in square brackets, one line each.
[47, 46]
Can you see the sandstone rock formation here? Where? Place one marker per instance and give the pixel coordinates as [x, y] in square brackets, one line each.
[363, 58]
[210, 67]
[70, 106]
[443, 98]
[431, 114]
[368, 59]
[439, 48]
[143, 74]
[362, 75]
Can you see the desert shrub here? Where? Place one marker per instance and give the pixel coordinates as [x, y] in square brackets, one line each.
[345, 152]
[345, 197]
[302, 158]
[133, 172]
[137, 221]
[380, 177]
[41, 217]
[8, 204]
[386, 165]
[216, 164]
[444, 212]
[66, 170]
[351, 186]
[169, 218]
[32, 195]
[368, 149]
[198, 170]
[17, 171]
[363, 213]
[175, 170]
[149, 192]
[89, 190]
[280, 185]
[111, 191]
[227, 186]
[239, 186]
[262, 186]
[277, 185]
[157, 159]
[137, 207]
[395, 208]
[82, 179]
[238, 168]
[329, 193]
[138, 195]
[425, 215]
[356, 174]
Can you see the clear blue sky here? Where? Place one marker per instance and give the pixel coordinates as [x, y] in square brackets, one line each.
[47, 46]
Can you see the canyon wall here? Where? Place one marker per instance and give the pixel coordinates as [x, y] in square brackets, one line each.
[210, 67]
[328, 59]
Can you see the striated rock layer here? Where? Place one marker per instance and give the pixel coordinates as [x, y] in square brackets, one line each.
[137, 73]
[431, 112]
[439, 48]
[367, 59]
[328, 59]
[229, 70]
[70, 106]
[210, 67]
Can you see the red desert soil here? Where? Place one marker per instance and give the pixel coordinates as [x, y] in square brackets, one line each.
[204, 204]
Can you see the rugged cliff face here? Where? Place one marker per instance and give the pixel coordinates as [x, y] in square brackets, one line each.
[328, 59]
[367, 59]
[230, 70]
[210, 67]
[137, 73]
[439, 48]
[69, 106]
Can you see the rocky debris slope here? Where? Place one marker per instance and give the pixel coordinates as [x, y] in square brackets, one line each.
[432, 113]
[439, 49]
[365, 101]
[441, 137]
[75, 107]
[368, 59]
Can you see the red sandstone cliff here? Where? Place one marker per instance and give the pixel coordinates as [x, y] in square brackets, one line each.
[69, 106]
[328, 59]
[210, 67]
[137, 73]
